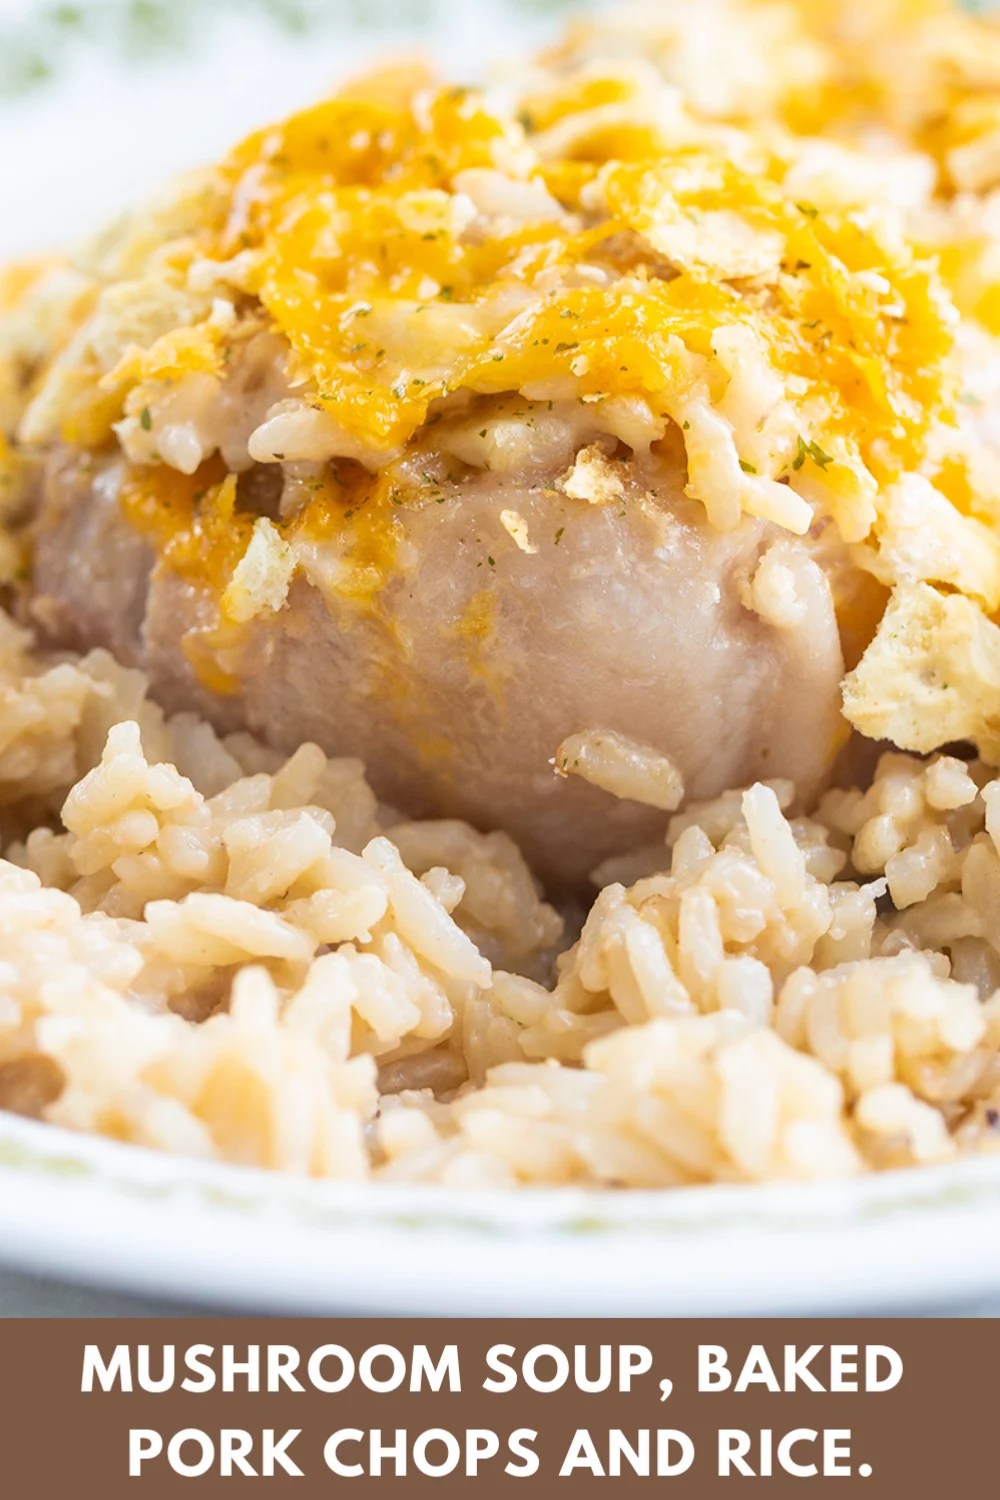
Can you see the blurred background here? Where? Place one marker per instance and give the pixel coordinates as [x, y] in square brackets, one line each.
[100, 99]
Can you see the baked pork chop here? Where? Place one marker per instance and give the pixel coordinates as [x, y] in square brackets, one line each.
[554, 456]
[481, 643]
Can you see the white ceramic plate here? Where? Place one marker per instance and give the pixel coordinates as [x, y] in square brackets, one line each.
[98, 101]
[86, 1209]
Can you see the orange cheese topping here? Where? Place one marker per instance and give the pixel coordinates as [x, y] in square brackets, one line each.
[629, 237]
[391, 300]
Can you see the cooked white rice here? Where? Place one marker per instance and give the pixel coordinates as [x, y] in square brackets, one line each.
[212, 951]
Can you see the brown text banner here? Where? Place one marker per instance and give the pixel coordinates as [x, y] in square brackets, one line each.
[491, 1407]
